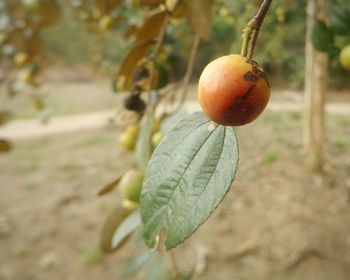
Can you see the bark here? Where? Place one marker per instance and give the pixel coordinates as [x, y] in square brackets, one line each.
[315, 89]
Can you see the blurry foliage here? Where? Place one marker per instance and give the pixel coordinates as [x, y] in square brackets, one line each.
[280, 47]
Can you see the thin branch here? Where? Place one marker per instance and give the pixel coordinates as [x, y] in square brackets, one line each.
[174, 265]
[259, 19]
[189, 70]
[158, 49]
[253, 28]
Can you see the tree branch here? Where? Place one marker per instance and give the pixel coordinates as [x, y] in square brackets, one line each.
[253, 28]
[189, 70]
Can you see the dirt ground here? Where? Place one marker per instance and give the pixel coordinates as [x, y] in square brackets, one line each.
[277, 222]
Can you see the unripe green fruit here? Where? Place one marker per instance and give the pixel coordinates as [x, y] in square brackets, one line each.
[105, 23]
[130, 185]
[128, 137]
[20, 59]
[130, 205]
[31, 5]
[344, 57]
[156, 138]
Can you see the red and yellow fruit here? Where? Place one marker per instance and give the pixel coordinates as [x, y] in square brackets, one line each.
[233, 90]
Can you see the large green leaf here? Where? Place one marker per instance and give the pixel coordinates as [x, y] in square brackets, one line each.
[322, 37]
[187, 177]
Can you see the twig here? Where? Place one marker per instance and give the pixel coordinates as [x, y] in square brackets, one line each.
[253, 28]
[189, 70]
[174, 265]
[157, 51]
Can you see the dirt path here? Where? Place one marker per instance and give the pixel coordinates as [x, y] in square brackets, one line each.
[26, 129]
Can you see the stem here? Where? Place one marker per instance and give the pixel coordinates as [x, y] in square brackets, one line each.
[189, 70]
[174, 265]
[253, 28]
[158, 48]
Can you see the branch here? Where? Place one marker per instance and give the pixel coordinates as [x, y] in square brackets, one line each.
[189, 70]
[158, 48]
[174, 265]
[253, 28]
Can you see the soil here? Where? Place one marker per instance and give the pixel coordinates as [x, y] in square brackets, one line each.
[277, 222]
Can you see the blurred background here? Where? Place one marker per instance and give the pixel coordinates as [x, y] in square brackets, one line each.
[61, 97]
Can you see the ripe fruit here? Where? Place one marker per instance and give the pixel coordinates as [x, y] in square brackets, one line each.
[344, 57]
[128, 137]
[233, 90]
[130, 185]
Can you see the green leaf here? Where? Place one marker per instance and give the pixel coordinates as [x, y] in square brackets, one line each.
[340, 19]
[173, 118]
[137, 263]
[155, 268]
[126, 228]
[322, 37]
[187, 177]
[110, 226]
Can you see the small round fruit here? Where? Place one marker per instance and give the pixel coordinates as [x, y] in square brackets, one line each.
[128, 137]
[233, 90]
[130, 185]
[130, 205]
[156, 138]
[105, 23]
[344, 57]
[20, 59]
[31, 5]
[156, 125]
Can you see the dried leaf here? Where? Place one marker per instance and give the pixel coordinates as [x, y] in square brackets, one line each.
[150, 28]
[113, 221]
[130, 31]
[5, 146]
[4, 117]
[109, 187]
[151, 2]
[129, 63]
[200, 16]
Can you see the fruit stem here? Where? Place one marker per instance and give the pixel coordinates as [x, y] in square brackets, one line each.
[252, 29]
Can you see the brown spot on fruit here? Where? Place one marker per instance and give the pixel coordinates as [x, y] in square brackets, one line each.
[250, 76]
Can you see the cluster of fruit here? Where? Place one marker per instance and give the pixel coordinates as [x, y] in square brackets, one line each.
[20, 40]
